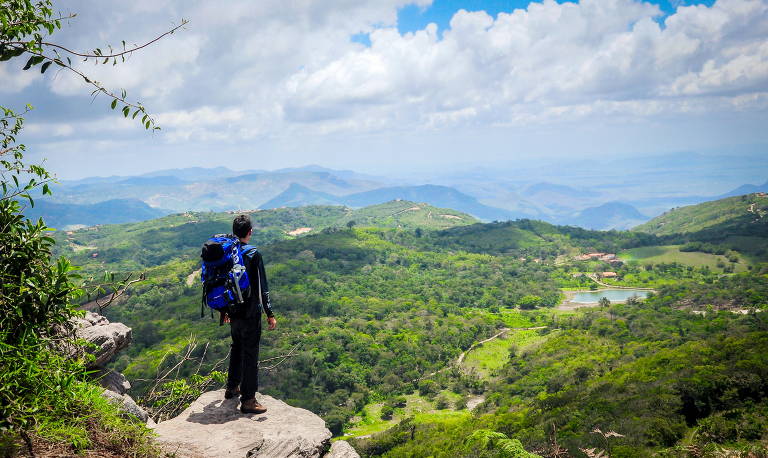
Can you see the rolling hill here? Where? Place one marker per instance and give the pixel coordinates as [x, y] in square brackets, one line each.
[441, 196]
[135, 246]
[740, 215]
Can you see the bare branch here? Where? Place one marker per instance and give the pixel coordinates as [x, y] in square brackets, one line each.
[117, 292]
[282, 358]
[102, 56]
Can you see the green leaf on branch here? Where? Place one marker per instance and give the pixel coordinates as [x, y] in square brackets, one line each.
[45, 66]
[34, 60]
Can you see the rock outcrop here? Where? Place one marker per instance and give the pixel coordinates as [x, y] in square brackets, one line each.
[127, 404]
[111, 380]
[211, 426]
[341, 449]
[214, 427]
[108, 338]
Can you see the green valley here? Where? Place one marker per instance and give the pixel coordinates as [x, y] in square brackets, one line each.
[393, 324]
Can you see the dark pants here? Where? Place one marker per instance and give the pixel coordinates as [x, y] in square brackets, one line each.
[244, 358]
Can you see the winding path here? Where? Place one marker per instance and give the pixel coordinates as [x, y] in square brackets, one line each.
[593, 277]
[460, 359]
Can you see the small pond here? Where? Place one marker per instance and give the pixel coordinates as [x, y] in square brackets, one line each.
[613, 295]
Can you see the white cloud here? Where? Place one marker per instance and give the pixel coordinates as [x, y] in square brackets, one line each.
[543, 62]
[153, 72]
[266, 71]
[13, 78]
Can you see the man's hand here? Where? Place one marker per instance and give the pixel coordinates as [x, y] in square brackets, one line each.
[226, 318]
[272, 322]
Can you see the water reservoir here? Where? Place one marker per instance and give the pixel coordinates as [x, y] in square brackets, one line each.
[613, 295]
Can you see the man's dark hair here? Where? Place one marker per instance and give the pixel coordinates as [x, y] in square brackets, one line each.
[241, 225]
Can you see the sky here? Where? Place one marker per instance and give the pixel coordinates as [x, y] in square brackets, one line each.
[387, 86]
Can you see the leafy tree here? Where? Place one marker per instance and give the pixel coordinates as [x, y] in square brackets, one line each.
[529, 302]
[41, 391]
[495, 444]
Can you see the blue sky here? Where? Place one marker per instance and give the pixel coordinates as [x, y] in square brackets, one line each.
[283, 83]
[411, 18]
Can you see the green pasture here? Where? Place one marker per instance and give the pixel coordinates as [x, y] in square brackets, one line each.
[672, 253]
[369, 420]
[491, 356]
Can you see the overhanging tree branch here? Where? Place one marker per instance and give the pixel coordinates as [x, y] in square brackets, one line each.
[97, 52]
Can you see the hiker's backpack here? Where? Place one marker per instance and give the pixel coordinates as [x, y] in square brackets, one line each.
[225, 281]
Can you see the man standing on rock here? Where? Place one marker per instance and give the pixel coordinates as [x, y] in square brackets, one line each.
[243, 377]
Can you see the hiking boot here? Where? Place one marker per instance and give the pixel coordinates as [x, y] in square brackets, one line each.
[232, 392]
[252, 406]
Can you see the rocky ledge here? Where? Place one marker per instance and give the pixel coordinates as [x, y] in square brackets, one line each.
[107, 338]
[105, 341]
[214, 427]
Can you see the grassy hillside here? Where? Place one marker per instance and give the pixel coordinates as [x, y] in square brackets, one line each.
[143, 245]
[671, 253]
[536, 238]
[406, 214]
[741, 215]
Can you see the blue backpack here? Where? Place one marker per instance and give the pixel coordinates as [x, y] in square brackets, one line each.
[225, 280]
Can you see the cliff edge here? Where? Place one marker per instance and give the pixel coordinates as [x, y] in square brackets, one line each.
[214, 427]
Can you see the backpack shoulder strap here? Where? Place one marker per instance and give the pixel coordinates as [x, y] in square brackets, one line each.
[250, 251]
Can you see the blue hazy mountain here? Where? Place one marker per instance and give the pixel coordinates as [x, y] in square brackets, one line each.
[159, 180]
[559, 189]
[439, 196]
[297, 196]
[62, 215]
[744, 189]
[611, 215]
[199, 173]
[345, 174]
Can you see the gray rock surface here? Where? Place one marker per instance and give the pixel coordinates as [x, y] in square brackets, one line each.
[341, 449]
[109, 338]
[111, 380]
[214, 427]
[127, 404]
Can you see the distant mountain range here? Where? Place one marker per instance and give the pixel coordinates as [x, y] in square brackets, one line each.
[299, 196]
[441, 196]
[65, 216]
[611, 215]
[221, 189]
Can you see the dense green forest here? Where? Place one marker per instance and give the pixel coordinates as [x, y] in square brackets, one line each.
[375, 316]
[663, 378]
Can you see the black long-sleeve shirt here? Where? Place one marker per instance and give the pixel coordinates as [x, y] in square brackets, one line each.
[254, 266]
